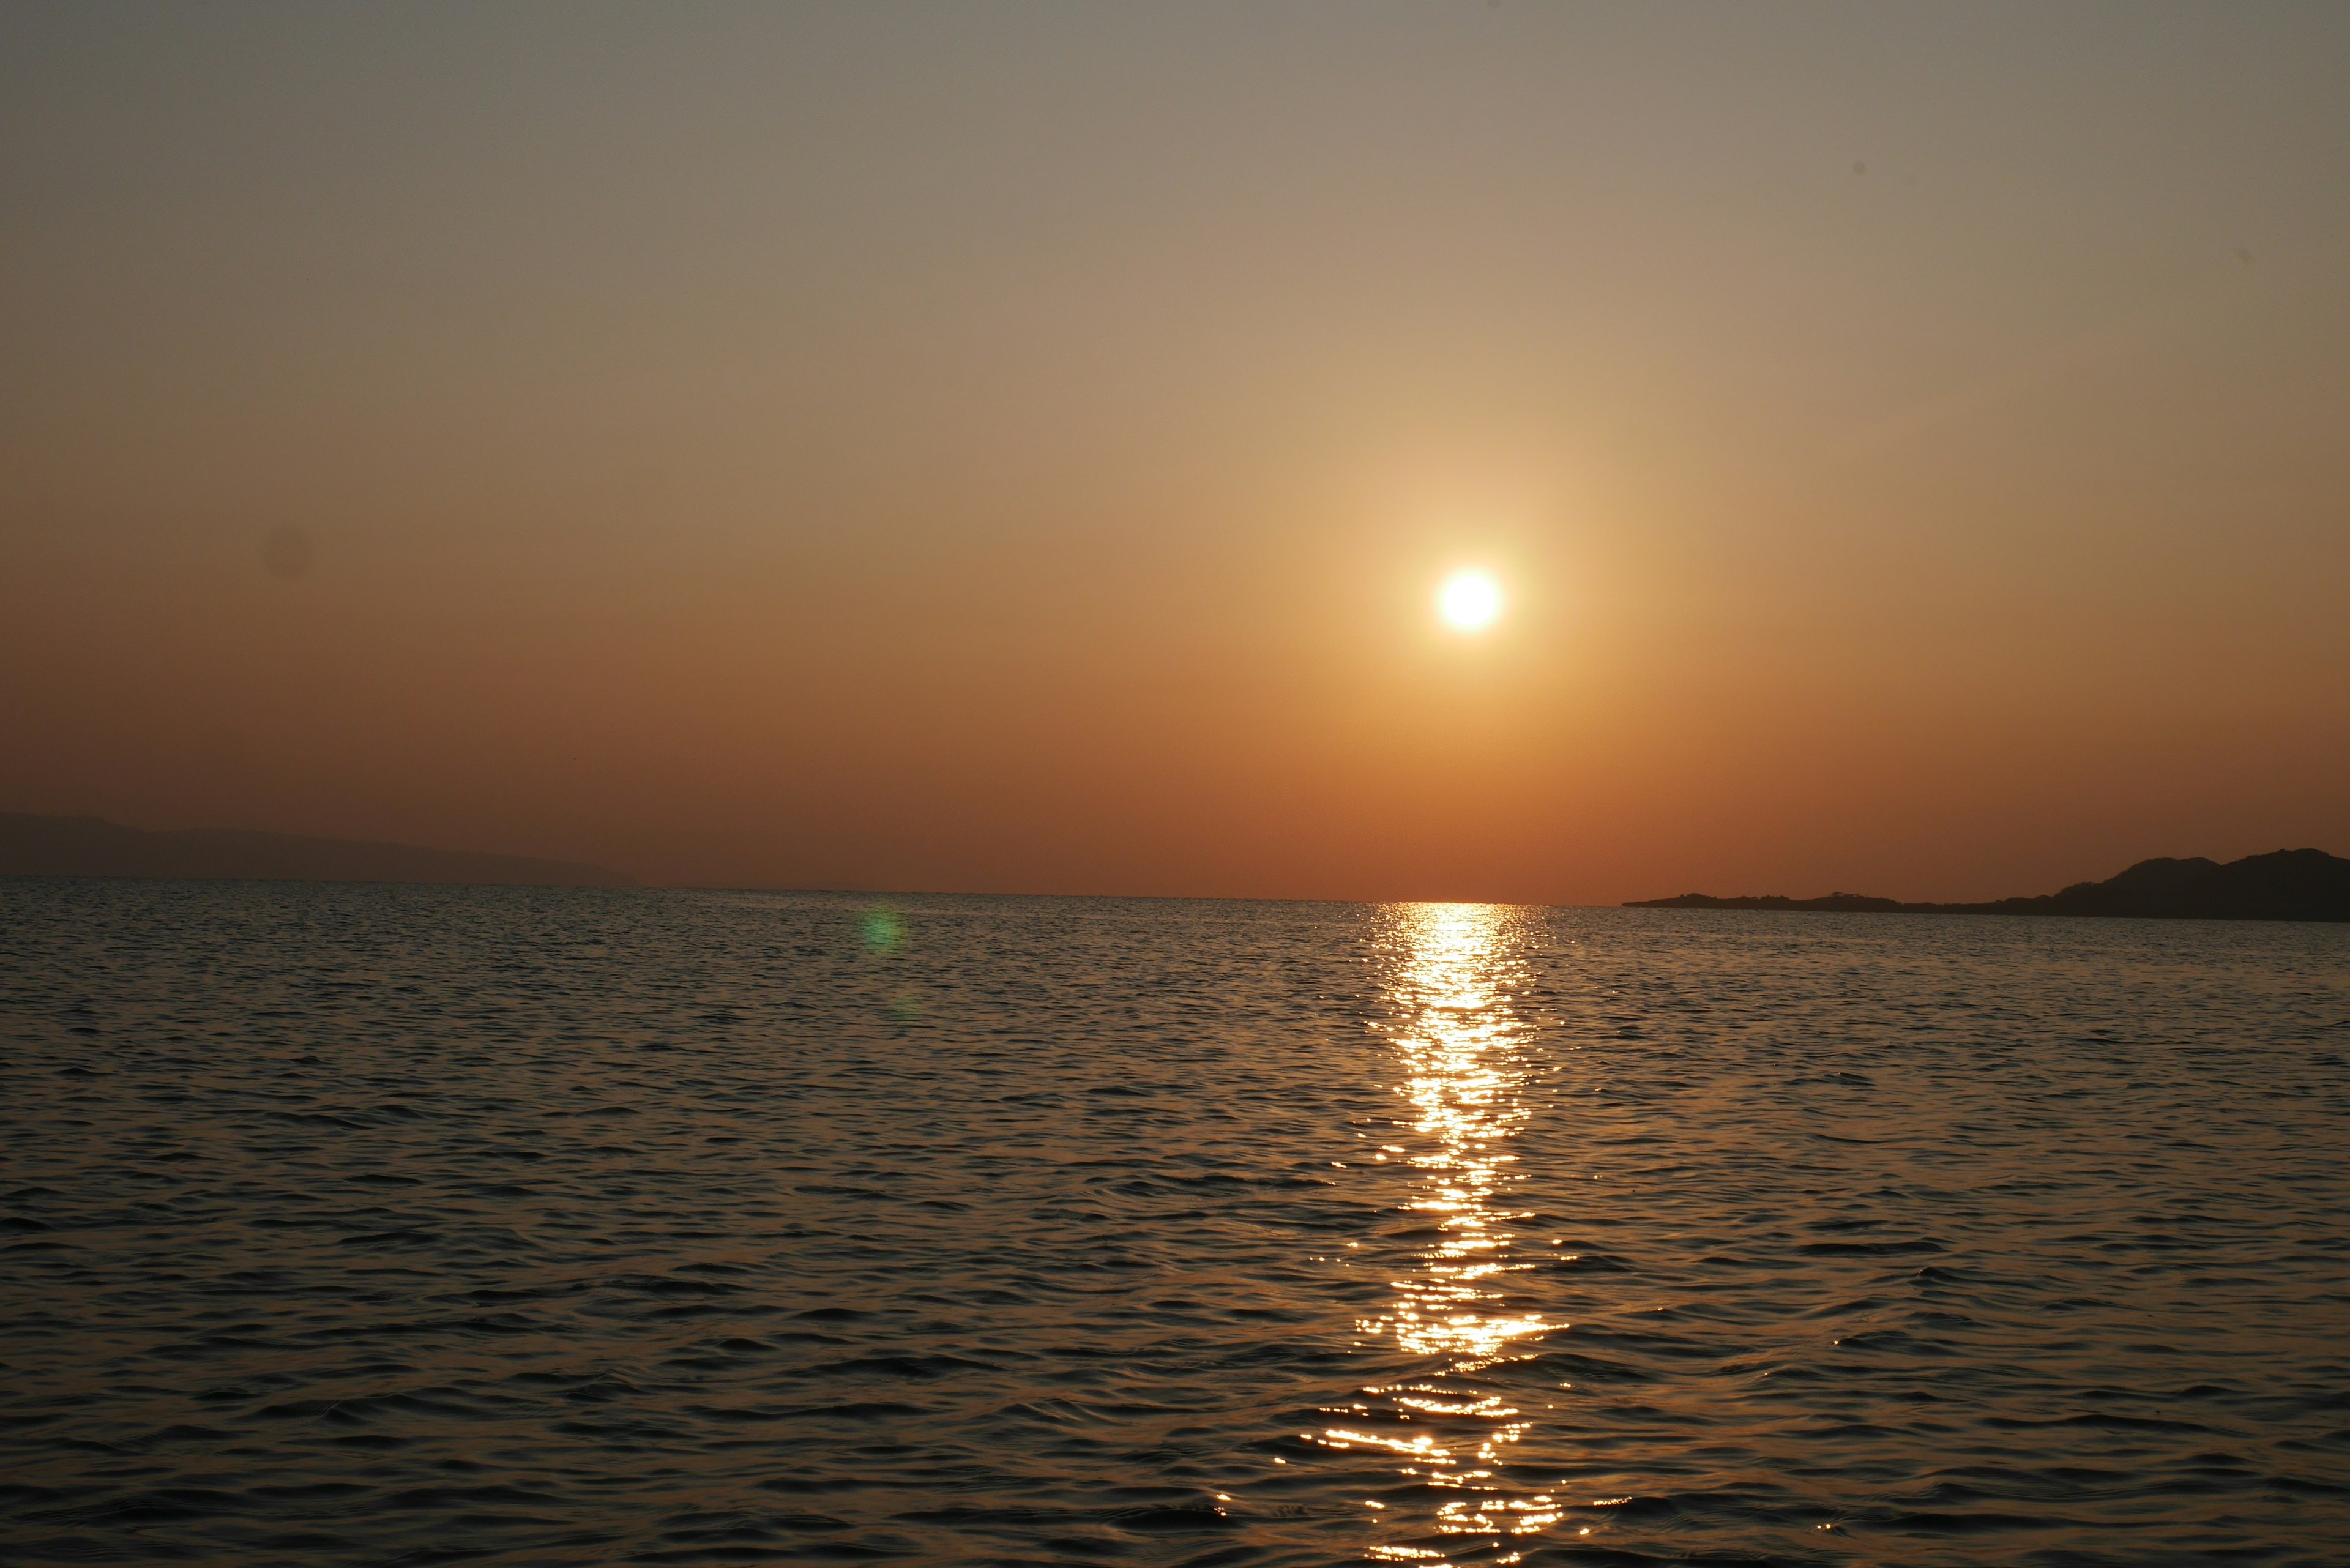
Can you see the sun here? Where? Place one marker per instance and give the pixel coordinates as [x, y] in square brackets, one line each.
[1470, 601]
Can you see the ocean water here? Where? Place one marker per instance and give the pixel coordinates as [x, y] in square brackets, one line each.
[412, 1225]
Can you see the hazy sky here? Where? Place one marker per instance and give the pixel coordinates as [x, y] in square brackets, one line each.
[1015, 447]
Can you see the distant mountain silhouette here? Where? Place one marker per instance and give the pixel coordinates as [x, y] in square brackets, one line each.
[87, 846]
[2290, 885]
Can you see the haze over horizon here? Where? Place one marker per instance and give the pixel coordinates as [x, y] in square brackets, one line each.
[1017, 449]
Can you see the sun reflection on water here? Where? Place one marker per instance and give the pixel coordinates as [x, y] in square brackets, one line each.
[1447, 992]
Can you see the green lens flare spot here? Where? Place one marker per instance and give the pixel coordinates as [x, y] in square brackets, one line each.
[884, 932]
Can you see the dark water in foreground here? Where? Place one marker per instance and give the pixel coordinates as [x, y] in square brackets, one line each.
[368, 1225]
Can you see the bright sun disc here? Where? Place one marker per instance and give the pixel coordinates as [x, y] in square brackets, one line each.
[1469, 601]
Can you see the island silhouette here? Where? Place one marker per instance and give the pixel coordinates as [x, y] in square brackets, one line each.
[2288, 885]
[90, 847]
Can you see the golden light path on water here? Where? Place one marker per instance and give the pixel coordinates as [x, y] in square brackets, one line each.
[1447, 990]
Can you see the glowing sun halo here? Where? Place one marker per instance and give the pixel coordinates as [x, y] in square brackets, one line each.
[1469, 601]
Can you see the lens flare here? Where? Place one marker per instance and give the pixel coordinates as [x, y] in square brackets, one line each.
[1472, 601]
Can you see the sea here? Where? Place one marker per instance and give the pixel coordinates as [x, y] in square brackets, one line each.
[409, 1225]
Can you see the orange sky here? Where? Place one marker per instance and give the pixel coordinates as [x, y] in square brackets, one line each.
[1014, 448]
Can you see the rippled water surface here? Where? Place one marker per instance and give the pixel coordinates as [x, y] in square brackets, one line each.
[407, 1225]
